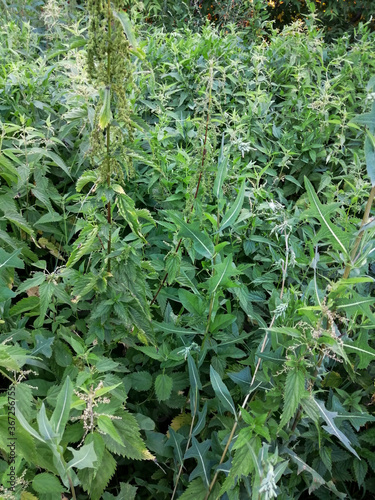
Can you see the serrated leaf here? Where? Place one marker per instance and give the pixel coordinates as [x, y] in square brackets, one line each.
[24, 305]
[172, 266]
[47, 483]
[96, 482]
[163, 386]
[360, 468]
[294, 391]
[195, 491]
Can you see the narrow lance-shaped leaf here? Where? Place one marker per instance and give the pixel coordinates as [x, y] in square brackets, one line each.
[232, 214]
[195, 384]
[199, 452]
[335, 235]
[221, 172]
[221, 391]
[105, 115]
[202, 242]
[360, 346]
[61, 412]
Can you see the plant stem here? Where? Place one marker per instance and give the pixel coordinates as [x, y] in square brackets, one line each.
[72, 488]
[360, 235]
[109, 217]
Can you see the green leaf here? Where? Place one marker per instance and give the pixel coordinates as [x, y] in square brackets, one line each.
[221, 172]
[172, 266]
[202, 242]
[244, 463]
[54, 157]
[133, 446]
[370, 160]
[163, 386]
[331, 427]
[175, 441]
[19, 221]
[43, 345]
[362, 349]
[171, 328]
[360, 470]
[105, 114]
[335, 235]
[27, 426]
[82, 458]
[222, 274]
[105, 424]
[231, 215]
[45, 427]
[60, 415]
[199, 452]
[140, 381]
[95, 482]
[195, 491]
[195, 383]
[47, 483]
[11, 259]
[294, 391]
[221, 391]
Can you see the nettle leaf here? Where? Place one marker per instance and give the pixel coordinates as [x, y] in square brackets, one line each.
[331, 427]
[132, 445]
[163, 386]
[231, 215]
[195, 491]
[47, 483]
[82, 458]
[199, 452]
[244, 463]
[95, 481]
[201, 241]
[294, 391]
[360, 468]
[222, 392]
[336, 236]
[362, 349]
[172, 266]
[60, 415]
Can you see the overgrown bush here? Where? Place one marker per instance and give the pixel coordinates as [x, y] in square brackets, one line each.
[187, 264]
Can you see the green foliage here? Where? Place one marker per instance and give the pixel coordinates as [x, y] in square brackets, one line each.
[182, 311]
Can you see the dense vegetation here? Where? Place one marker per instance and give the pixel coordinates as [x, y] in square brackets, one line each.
[187, 258]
